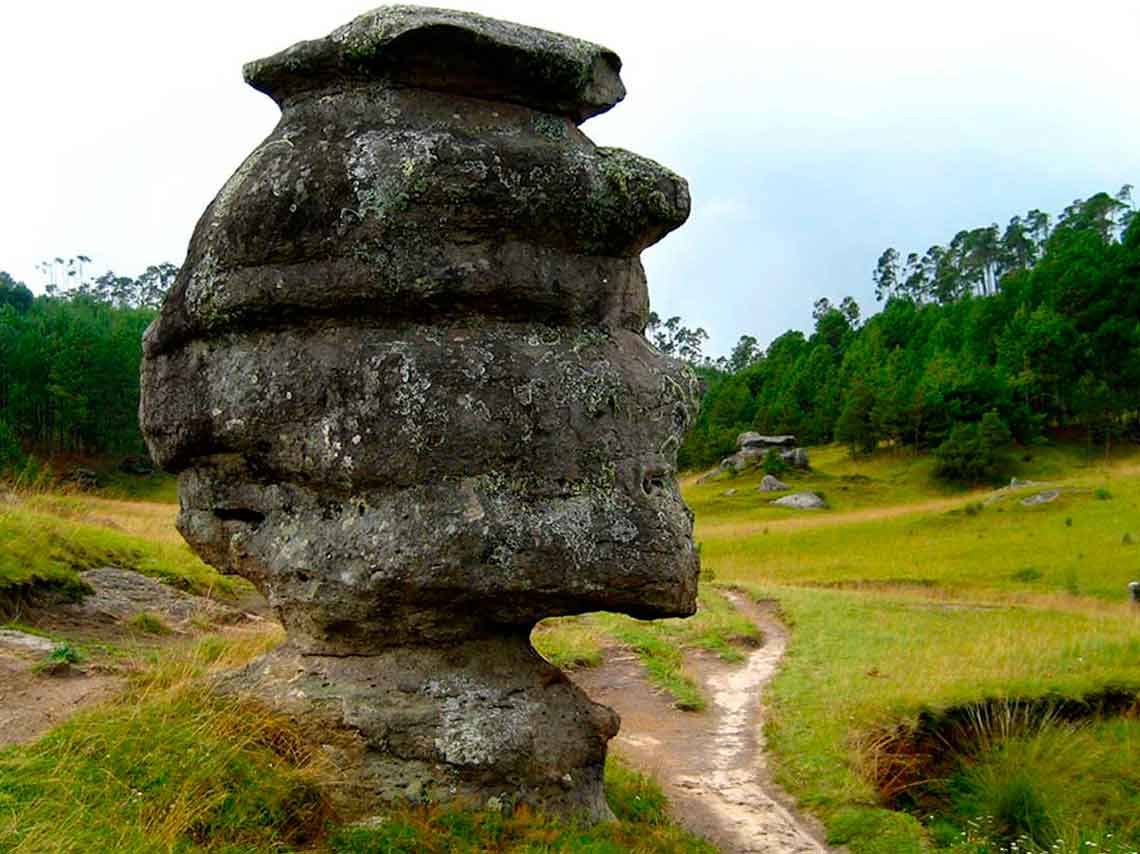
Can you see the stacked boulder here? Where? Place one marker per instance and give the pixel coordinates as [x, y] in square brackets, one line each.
[752, 448]
[403, 382]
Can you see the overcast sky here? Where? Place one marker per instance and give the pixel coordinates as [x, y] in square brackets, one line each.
[813, 134]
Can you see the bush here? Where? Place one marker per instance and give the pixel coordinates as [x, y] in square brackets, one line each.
[12, 458]
[974, 451]
[774, 463]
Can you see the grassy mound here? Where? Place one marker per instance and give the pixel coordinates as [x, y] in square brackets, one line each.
[47, 541]
[170, 767]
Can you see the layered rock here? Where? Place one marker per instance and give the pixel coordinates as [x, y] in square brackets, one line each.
[403, 380]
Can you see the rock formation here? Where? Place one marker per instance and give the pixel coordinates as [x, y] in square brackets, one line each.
[753, 448]
[801, 501]
[768, 483]
[403, 381]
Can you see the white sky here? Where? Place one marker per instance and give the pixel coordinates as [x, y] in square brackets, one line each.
[813, 134]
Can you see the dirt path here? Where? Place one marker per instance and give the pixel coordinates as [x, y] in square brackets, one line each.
[712, 764]
[31, 703]
[33, 700]
[816, 519]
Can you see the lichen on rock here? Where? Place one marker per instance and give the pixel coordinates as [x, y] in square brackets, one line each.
[403, 380]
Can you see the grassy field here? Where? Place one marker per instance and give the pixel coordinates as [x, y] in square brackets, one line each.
[911, 602]
[168, 766]
[48, 540]
[941, 639]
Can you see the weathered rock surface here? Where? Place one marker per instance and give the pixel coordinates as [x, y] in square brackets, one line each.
[118, 595]
[757, 440]
[1045, 497]
[403, 380]
[801, 501]
[796, 458]
[22, 642]
[768, 483]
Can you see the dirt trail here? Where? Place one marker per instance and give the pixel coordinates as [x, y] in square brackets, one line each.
[712, 764]
[32, 702]
[744, 528]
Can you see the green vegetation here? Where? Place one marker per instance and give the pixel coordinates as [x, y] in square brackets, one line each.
[47, 550]
[170, 767]
[166, 767]
[912, 600]
[640, 806]
[69, 361]
[148, 624]
[1038, 325]
[717, 627]
[1072, 544]
[1057, 786]
[570, 642]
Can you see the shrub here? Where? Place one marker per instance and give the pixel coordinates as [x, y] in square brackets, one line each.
[974, 451]
[149, 624]
[774, 464]
[12, 458]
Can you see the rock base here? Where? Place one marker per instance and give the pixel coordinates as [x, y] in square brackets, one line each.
[486, 723]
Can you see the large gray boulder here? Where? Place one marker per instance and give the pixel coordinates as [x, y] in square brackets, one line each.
[403, 380]
[758, 440]
[768, 483]
[801, 501]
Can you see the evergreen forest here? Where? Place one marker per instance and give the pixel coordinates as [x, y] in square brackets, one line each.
[69, 361]
[998, 335]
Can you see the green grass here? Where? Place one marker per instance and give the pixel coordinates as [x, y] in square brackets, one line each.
[47, 550]
[908, 598]
[887, 477]
[643, 825]
[570, 642]
[1058, 787]
[148, 624]
[166, 767]
[717, 627]
[1073, 544]
[171, 767]
[158, 487]
[858, 661]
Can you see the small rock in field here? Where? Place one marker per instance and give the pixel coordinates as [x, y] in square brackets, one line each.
[24, 642]
[801, 501]
[1041, 497]
[772, 484]
[729, 493]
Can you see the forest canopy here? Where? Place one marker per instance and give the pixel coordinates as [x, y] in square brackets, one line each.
[69, 360]
[1036, 326]
[998, 334]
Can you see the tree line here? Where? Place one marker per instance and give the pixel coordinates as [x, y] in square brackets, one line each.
[998, 335]
[69, 360]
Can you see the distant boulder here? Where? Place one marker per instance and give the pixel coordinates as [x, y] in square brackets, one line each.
[801, 501]
[796, 458]
[758, 440]
[742, 459]
[1041, 498]
[772, 484]
[728, 493]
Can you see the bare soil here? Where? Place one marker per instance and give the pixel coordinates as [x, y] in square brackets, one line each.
[711, 764]
[34, 699]
[31, 703]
